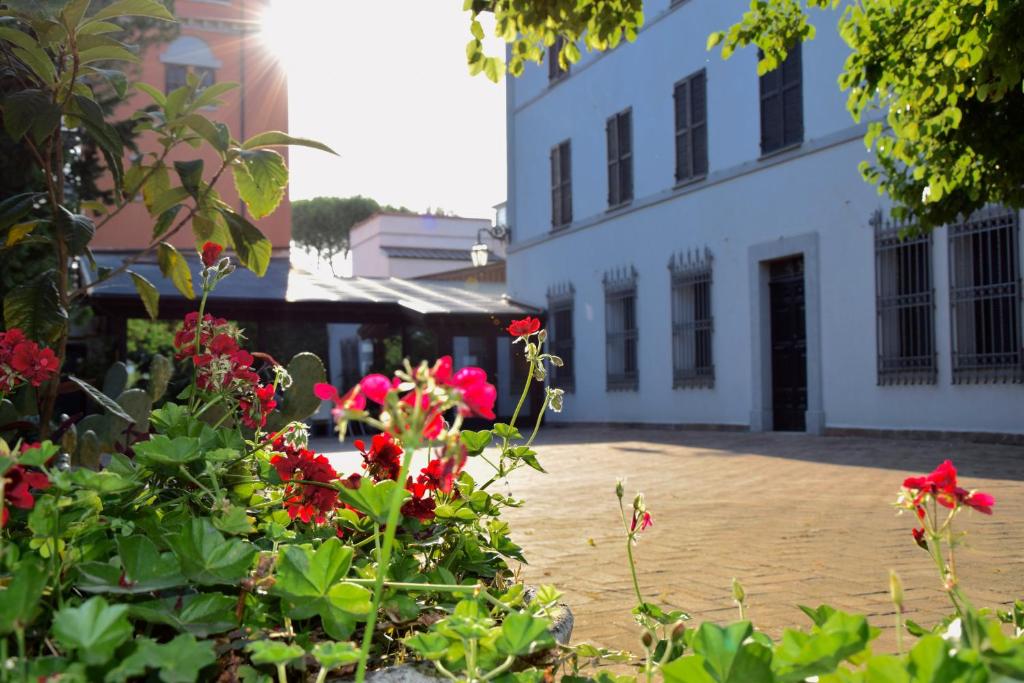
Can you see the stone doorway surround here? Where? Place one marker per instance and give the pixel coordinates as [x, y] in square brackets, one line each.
[758, 257]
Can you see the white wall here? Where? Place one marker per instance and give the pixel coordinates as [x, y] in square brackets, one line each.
[745, 201]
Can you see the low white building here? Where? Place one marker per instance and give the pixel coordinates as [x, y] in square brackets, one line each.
[415, 245]
[709, 255]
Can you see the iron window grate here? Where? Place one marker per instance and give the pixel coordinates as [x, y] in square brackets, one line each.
[621, 332]
[561, 307]
[985, 298]
[692, 321]
[904, 304]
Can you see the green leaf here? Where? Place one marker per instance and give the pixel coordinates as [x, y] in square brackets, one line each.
[208, 558]
[475, 442]
[273, 652]
[216, 133]
[134, 8]
[234, 520]
[166, 200]
[207, 97]
[191, 174]
[19, 602]
[162, 451]
[143, 569]
[174, 266]
[155, 93]
[148, 293]
[95, 629]
[178, 661]
[728, 658]
[105, 135]
[332, 655]
[800, 655]
[429, 645]
[523, 634]
[35, 308]
[276, 138]
[688, 669]
[200, 614]
[104, 482]
[305, 573]
[30, 109]
[78, 231]
[102, 399]
[372, 499]
[260, 178]
[253, 249]
[104, 53]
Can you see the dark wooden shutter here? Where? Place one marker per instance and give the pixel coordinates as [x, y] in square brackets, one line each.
[682, 102]
[771, 111]
[699, 124]
[792, 97]
[612, 132]
[556, 175]
[625, 120]
[565, 150]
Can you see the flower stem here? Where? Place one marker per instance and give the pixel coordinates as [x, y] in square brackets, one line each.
[282, 675]
[321, 675]
[394, 511]
[629, 554]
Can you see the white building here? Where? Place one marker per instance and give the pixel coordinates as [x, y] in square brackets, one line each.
[704, 245]
[414, 245]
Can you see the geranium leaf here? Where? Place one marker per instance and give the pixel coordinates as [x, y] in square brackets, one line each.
[273, 652]
[208, 558]
[305, 573]
[19, 602]
[475, 442]
[200, 614]
[95, 629]
[373, 499]
[523, 634]
[332, 655]
[162, 451]
[178, 661]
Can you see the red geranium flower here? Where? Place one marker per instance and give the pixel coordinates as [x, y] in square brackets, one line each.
[17, 489]
[211, 252]
[919, 538]
[383, 459]
[307, 501]
[34, 364]
[524, 327]
[353, 400]
[478, 395]
[982, 502]
[643, 520]
[376, 387]
[419, 507]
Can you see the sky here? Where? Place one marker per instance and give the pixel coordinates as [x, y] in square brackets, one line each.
[385, 84]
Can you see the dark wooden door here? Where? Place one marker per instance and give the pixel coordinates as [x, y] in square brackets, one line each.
[789, 344]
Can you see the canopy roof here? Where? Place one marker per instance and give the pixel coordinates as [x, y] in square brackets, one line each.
[286, 291]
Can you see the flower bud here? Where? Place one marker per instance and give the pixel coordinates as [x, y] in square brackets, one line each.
[620, 489]
[738, 594]
[896, 590]
[638, 503]
[647, 639]
[678, 630]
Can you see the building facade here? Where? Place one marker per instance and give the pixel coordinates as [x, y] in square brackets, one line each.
[709, 255]
[220, 42]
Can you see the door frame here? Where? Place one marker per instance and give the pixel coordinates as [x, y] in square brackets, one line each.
[761, 419]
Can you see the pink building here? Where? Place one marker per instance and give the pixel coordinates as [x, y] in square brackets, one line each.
[219, 41]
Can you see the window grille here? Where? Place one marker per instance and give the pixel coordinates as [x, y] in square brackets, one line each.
[561, 185]
[904, 304]
[621, 329]
[692, 364]
[985, 296]
[555, 70]
[620, 158]
[690, 97]
[561, 305]
[782, 107]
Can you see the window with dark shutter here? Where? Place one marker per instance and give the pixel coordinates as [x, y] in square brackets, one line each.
[782, 108]
[621, 334]
[620, 158]
[561, 185]
[692, 364]
[985, 296]
[691, 127]
[561, 303]
[555, 70]
[905, 306]
[176, 76]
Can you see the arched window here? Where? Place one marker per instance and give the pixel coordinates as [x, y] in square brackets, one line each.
[188, 54]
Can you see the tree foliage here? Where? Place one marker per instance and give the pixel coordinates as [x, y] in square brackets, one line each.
[940, 83]
[531, 27]
[323, 223]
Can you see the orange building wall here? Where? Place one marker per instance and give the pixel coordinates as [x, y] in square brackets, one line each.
[230, 28]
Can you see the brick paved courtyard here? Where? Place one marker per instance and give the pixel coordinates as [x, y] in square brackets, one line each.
[797, 519]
